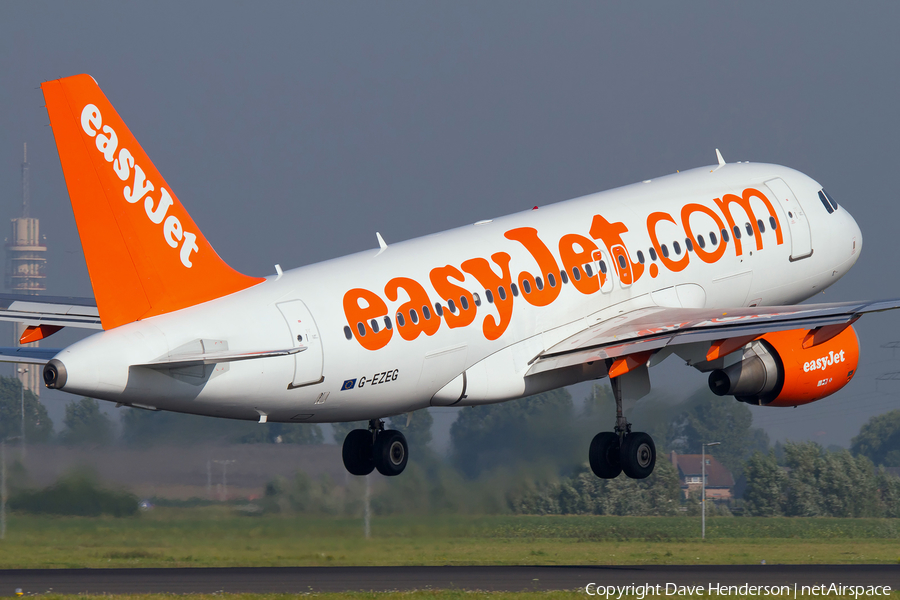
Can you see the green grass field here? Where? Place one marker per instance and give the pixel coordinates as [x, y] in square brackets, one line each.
[215, 536]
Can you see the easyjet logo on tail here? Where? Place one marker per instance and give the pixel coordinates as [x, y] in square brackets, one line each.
[139, 188]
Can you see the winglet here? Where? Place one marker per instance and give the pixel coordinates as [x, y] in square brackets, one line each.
[719, 157]
[144, 253]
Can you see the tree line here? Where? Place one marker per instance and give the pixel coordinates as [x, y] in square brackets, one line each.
[529, 456]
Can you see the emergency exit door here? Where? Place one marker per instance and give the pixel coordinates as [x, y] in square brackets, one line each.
[304, 333]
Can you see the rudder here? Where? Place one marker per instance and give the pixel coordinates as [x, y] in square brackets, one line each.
[145, 255]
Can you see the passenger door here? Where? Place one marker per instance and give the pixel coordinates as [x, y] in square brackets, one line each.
[801, 242]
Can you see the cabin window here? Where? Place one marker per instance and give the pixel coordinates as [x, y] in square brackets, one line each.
[701, 241]
[451, 306]
[737, 232]
[413, 315]
[761, 225]
[400, 320]
[489, 296]
[464, 302]
[712, 239]
[677, 248]
[539, 283]
[476, 298]
[501, 291]
[689, 244]
[622, 264]
[374, 325]
[426, 313]
[551, 279]
[526, 286]
[652, 254]
[773, 223]
[348, 333]
[514, 289]
[725, 235]
[665, 251]
[576, 273]
[749, 229]
[640, 257]
[439, 309]
[564, 276]
[589, 270]
[361, 329]
[602, 266]
[387, 323]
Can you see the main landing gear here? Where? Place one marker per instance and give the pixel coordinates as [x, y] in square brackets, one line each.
[375, 448]
[614, 452]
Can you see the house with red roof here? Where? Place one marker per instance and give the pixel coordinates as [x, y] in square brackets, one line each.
[719, 480]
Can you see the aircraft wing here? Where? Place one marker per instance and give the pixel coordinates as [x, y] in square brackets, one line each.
[54, 311]
[652, 328]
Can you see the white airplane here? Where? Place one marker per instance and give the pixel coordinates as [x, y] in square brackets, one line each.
[707, 264]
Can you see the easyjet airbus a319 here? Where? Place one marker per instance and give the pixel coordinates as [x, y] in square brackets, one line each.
[708, 264]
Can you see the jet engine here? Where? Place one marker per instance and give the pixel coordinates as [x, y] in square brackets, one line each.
[789, 368]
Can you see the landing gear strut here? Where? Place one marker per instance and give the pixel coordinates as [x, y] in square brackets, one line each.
[365, 450]
[622, 450]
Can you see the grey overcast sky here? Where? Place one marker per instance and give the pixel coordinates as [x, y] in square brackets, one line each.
[292, 131]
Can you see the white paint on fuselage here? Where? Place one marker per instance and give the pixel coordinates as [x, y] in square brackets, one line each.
[101, 365]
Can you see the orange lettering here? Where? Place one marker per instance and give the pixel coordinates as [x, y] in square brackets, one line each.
[672, 265]
[546, 293]
[572, 258]
[611, 235]
[466, 312]
[482, 271]
[743, 201]
[374, 308]
[686, 212]
[411, 319]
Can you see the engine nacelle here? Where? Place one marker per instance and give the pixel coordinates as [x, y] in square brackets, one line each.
[776, 370]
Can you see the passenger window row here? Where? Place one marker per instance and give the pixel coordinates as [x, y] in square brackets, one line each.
[577, 273]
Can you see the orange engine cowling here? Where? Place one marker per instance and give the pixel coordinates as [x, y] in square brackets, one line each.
[777, 370]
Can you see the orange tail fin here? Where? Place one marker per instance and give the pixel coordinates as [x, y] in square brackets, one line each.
[144, 253]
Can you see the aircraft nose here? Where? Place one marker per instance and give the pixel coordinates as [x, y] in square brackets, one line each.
[855, 233]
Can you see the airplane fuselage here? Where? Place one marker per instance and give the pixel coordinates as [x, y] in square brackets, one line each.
[789, 249]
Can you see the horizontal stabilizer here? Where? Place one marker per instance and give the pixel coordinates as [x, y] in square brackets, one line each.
[28, 355]
[212, 358]
[50, 310]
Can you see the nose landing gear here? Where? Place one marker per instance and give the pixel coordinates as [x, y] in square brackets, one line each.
[614, 452]
[365, 450]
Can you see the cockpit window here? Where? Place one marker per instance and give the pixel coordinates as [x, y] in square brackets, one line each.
[830, 199]
[826, 203]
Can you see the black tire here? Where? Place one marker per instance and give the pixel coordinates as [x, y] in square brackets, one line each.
[357, 452]
[604, 455]
[391, 452]
[638, 455]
